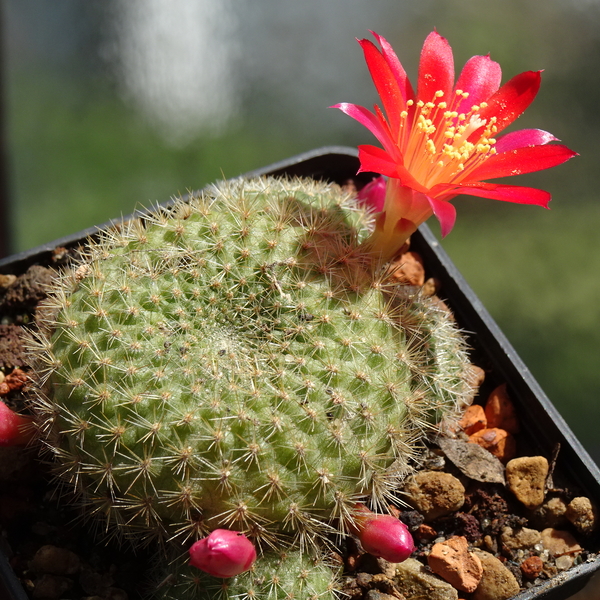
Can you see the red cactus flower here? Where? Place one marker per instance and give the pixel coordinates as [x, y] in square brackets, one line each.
[223, 553]
[441, 141]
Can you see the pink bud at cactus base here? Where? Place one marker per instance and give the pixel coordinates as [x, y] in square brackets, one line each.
[372, 196]
[384, 536]
[223, 553]
[13, 427]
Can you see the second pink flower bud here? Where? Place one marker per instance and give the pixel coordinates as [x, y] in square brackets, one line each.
[384, 536]
[223, 553]
[15, 429]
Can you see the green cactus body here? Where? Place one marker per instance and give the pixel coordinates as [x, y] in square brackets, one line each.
[277, 576]
[235, 363]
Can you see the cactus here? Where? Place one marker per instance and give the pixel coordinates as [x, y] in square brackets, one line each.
[282, 576]
[241, 361]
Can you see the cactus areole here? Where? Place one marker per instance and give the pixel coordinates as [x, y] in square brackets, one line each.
[240, 362]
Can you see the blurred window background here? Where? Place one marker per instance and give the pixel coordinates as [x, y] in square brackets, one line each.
[109, 104]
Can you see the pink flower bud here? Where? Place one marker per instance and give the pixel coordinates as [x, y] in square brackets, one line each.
[13, 427]
[386, 537]
[373, 194]
[223, 553]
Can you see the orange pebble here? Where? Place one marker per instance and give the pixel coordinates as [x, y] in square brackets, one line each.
[497, 441]
[500, 411]
[473, 420]
[425, 532]
[408, 269]
[531, 567]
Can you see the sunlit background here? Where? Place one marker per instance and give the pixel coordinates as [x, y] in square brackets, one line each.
[114, 103]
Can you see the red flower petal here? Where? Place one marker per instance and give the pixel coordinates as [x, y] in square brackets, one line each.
[523, 138]
[496, 191]
[512, 98]
[396, 67]
[481, 78]
[521, 160]
[371, 122]
[445, 213]
[436, 68]
[375, 160]
[386, 84]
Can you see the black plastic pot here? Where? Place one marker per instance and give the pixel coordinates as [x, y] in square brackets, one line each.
[542, 423]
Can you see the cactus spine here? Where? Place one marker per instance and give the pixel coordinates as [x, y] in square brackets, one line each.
[239, 361]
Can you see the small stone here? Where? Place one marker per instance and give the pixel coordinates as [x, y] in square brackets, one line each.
[377, 595]
[364, 579]
[468, 525]
[56, 561]
[473, 419]
[559, 542]
[564, 562]
[526, 479]
[411, 518]
[453, 562]
[430, 287]
[51, 587]
[532, 567]
[491, 543]
[425, 532]
[434, 462]
[582, 514]
[348, 589]
[497, 441]
[12, 382]
[414, 581]
[435, 494]
[385, 584]
[497, 582]
[552, 513]
[388, 569]
[521, 538]
[7, 280]
[500, 411]
[476, 376]
[408, 269]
